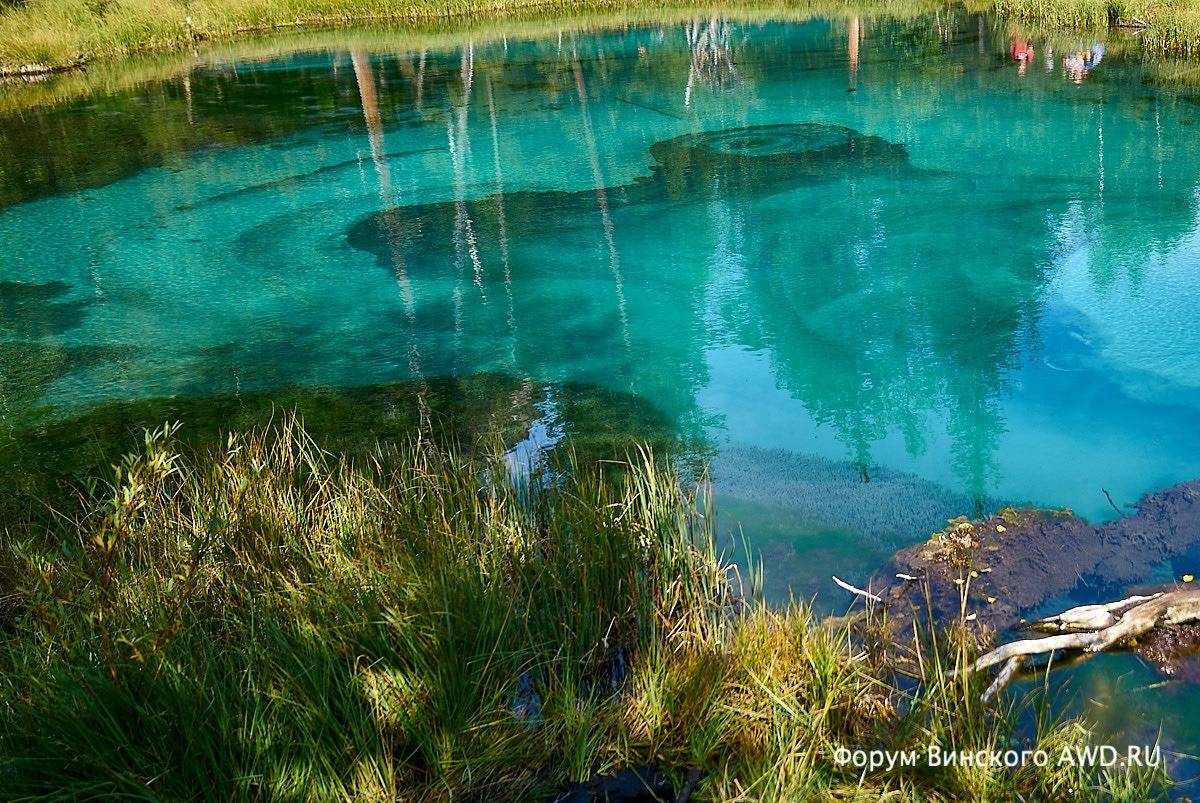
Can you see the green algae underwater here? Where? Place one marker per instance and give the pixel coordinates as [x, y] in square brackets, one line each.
[46, 467]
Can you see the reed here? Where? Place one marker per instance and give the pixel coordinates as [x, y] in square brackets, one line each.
[266, 620]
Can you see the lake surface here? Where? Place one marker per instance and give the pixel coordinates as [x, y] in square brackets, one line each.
[878, 273]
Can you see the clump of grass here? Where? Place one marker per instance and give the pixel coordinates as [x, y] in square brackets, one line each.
[1172, 27]
[268, 620]
[1064, 13]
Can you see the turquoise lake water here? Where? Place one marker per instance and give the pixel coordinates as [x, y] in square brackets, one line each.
[884, 272]
[877, 274]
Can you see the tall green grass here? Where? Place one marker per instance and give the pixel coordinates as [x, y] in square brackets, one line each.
[265, 620]
[1173, 25]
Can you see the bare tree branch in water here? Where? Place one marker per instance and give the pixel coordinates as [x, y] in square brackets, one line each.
[1093, 628]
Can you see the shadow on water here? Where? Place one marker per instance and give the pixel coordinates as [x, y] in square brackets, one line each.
[28, 369]
[45, 464]
[45, 152]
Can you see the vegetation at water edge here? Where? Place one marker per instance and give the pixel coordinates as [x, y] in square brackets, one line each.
[259, 618]
[40, 35]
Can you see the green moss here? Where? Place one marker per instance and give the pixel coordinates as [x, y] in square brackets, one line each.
[30, 310]
[27, 369]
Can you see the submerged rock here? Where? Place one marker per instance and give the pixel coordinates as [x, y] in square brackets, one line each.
[1000, 568]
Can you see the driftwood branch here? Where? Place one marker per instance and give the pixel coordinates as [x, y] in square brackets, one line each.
[858, 591]
[1107, 495]
[1089, 617]
[1093, 628]
[1003, 677]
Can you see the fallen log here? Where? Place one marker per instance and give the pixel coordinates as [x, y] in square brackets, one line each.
[1089, 617]
[1092, 629]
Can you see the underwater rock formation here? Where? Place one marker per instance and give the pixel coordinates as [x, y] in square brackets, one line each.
[753, 161]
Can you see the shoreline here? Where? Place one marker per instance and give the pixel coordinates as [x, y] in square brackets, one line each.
[418, 626]
[39, 39]
[498, 11]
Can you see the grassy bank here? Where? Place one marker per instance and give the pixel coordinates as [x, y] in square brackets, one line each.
[394, 36]
[1172, 26]
[38, 35]
[261, 619]
[59, 34]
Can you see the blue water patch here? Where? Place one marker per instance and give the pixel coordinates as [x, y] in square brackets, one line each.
[884, 281]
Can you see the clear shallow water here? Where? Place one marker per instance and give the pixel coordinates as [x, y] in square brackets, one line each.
[883, 288]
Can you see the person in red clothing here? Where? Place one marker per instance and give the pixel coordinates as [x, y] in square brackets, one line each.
[1022, 53]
